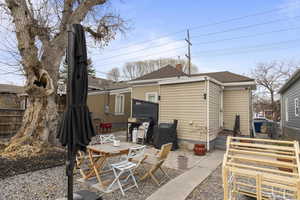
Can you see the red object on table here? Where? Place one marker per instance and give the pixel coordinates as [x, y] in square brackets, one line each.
[105, 127]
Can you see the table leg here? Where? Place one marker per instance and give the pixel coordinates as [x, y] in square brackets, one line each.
[97, 166]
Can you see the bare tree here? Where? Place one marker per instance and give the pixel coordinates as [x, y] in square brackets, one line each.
[270, 76]
[40, 28]
[134, 70]
[114, 74]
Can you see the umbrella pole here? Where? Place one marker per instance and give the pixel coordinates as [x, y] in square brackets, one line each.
[70, 169]
[70, 156]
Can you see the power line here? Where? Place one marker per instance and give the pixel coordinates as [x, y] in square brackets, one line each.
[214, 50]
[207, 34]
[248, 36]
[249, 51]
[137, 51]
[209, 42]
[245, 27]
[207, 25]
[148, 55]
[249, 47]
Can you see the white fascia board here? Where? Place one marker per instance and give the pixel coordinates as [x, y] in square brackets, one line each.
[154, 80]
[120, 91]
[190, 79]
[141, 85]
[240, 83]
[97, 93]
[181, 80]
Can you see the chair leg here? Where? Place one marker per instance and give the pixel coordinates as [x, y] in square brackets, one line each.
[165, 173]
[134, 180]
[154, 179]
[117, 179]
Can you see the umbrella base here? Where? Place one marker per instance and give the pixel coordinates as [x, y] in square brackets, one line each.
[83, 195]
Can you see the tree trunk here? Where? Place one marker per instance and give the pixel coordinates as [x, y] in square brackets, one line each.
[40, 121]
[273, 106]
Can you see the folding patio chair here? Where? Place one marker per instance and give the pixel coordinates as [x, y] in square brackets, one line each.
[142, 133]
[129, 167]
[157, 161]
[82, 159]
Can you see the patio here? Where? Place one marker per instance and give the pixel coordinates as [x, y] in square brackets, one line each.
[174, 156]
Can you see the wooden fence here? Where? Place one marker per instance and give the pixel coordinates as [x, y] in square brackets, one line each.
[10, 121]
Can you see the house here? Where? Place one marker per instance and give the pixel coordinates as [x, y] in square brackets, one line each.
[204, 104]
[109, 101]
[12, 97]
[290, 117]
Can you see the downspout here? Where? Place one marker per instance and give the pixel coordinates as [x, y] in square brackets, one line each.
[207, 115]
[130, 102]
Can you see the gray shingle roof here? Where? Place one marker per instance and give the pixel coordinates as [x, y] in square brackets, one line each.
[226, 77]
[164, 72]
[170, 71]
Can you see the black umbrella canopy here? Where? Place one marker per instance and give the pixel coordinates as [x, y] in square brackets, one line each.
[76, 129]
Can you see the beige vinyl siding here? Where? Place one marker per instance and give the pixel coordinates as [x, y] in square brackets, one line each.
[185, 102]
[237, 101]
[214, 110]
[139, 92]
[97, 102]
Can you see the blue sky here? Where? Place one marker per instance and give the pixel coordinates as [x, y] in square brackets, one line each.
[214, 47]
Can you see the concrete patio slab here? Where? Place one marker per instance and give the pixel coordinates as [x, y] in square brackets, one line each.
[180, 187]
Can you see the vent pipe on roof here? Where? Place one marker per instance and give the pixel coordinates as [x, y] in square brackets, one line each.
[179, 67]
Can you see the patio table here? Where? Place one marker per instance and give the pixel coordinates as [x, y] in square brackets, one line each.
[97, 162]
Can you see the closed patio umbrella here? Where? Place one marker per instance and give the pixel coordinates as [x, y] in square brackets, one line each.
[76, 129]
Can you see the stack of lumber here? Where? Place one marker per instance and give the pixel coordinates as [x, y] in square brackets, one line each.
[261, 168]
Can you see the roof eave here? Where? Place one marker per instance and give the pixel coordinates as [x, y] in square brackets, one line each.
[290, 82]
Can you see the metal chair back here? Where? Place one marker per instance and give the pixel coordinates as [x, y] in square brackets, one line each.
[136, 152]
[105, 139]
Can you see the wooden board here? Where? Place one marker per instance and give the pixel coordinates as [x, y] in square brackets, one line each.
[260, 168]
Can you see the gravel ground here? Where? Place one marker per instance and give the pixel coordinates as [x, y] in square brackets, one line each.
[211, 188]
[12, 167]
[52, 184]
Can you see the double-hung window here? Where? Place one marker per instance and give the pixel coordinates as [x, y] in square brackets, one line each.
[119, 106]
[152, 97]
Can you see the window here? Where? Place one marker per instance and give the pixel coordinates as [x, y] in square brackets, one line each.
[296, 107]
[286, 109]
[152, 97]
[119, 107]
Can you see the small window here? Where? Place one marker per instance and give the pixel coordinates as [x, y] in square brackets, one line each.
[286, 109]
[151, 96]
[120, 99]
[296, 107]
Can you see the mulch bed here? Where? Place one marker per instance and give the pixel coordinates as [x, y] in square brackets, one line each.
[12, 167]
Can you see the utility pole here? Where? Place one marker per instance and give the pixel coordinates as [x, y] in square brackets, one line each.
[189, 50]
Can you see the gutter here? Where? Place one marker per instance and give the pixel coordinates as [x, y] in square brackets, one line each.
[207, 115]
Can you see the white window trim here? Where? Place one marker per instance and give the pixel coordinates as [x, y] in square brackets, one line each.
[286, 104]
[151, 93]
[296, 106]
[116, 106]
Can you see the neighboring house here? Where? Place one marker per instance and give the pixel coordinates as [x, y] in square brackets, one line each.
[12, 97]
[203, 104]
[110, 102]
[290, 116]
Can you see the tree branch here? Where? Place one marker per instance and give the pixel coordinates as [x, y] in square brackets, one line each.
[25, 35]
[82, 10]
